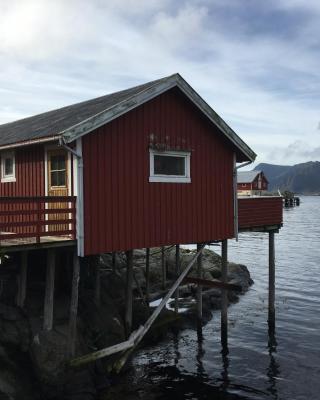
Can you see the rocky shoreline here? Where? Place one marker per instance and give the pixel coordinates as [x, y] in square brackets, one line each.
[33, 361]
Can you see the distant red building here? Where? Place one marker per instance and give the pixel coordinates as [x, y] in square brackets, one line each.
[251, 183]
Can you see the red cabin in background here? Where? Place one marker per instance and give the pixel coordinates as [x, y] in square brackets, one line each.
[251, 183]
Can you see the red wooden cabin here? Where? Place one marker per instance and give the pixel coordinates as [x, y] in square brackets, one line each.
[251, 183]
[149, 166]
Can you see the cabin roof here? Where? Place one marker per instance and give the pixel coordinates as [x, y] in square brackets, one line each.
[71, 122]
[247, 176]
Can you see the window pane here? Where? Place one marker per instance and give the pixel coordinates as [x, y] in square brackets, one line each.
[58, 162]
[58, 178]
[169, 165]
[8, 166]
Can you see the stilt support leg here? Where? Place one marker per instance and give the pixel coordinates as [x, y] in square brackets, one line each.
[114, 262]
[97, 284]
[271, 311]
[74, 304]
[49, 291]
[199, 287]
[224, 293]
[177, 271]
[22, 284]
[163, 266]
[129, 295]
[147, 276]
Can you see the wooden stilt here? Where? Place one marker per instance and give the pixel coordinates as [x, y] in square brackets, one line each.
[114, 262]
[22, 284]
[177, 271]
[199, 287]
[97, 283]
[271, 313]
[74, 304]
[135, 338]
[49, 291]
[163, 266]
[129, 295]
[147, 276]
[224, 294]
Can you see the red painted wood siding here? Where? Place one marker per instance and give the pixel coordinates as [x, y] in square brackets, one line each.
[259, 211]
[122, 210]
[30, 182]
[29, 173]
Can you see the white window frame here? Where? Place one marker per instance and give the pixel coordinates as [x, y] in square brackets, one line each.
[170, 178]
[12, 177]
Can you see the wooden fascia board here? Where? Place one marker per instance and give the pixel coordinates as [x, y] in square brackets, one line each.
[116, 111]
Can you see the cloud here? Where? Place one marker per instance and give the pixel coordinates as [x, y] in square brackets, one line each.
[257, 66]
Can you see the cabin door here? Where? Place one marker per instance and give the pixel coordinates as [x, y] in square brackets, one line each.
[58, 185]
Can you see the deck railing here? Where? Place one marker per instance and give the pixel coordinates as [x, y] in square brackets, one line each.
[33, 219]
[257, 212]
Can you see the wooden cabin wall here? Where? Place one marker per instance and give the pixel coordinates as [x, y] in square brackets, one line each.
[122, 210]
[30, 179]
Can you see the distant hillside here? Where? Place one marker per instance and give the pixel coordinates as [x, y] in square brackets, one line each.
[300, 178]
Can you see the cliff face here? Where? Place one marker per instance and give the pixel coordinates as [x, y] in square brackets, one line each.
[300, 178]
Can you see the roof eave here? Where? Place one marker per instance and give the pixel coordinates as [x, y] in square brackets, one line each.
[30, 142]
[96, 121]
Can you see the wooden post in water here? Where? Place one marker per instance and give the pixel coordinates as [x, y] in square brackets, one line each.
[97, 283]
[224, 293]
[49, 291]
[147, 276]
[74, 304]
[129, 294]
[177, 271]
[163, 266]
[22, 284]
[271, 311]
[199, 287]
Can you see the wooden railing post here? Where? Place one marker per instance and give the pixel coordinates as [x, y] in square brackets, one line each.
[38, 221]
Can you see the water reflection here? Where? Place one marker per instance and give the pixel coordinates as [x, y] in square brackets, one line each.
[273, 370]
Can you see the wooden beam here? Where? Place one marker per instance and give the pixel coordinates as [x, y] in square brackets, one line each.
[212, 284]
[163, 267]
[148, 276]
[177, 271]
[157, 311]
[137, 336]
[22, 283]
[129, 294]
[74, 304]
[49, 291]
[199, 287]
[271, 311]
[224, 294]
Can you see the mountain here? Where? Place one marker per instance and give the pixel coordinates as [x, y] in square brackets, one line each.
[300, 178]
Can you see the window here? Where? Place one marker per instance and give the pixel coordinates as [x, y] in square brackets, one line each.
[169, 166]
[8, 167]
[58, 170]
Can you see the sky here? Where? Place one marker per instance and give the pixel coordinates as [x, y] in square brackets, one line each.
[256, 62]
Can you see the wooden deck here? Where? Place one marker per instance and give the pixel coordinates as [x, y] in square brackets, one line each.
[40, 222]
[260, 214]
[36, 222]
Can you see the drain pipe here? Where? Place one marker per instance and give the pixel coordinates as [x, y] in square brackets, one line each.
[235, 197]
[80, 220]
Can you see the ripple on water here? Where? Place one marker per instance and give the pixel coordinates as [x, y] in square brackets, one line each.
[256, 366]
